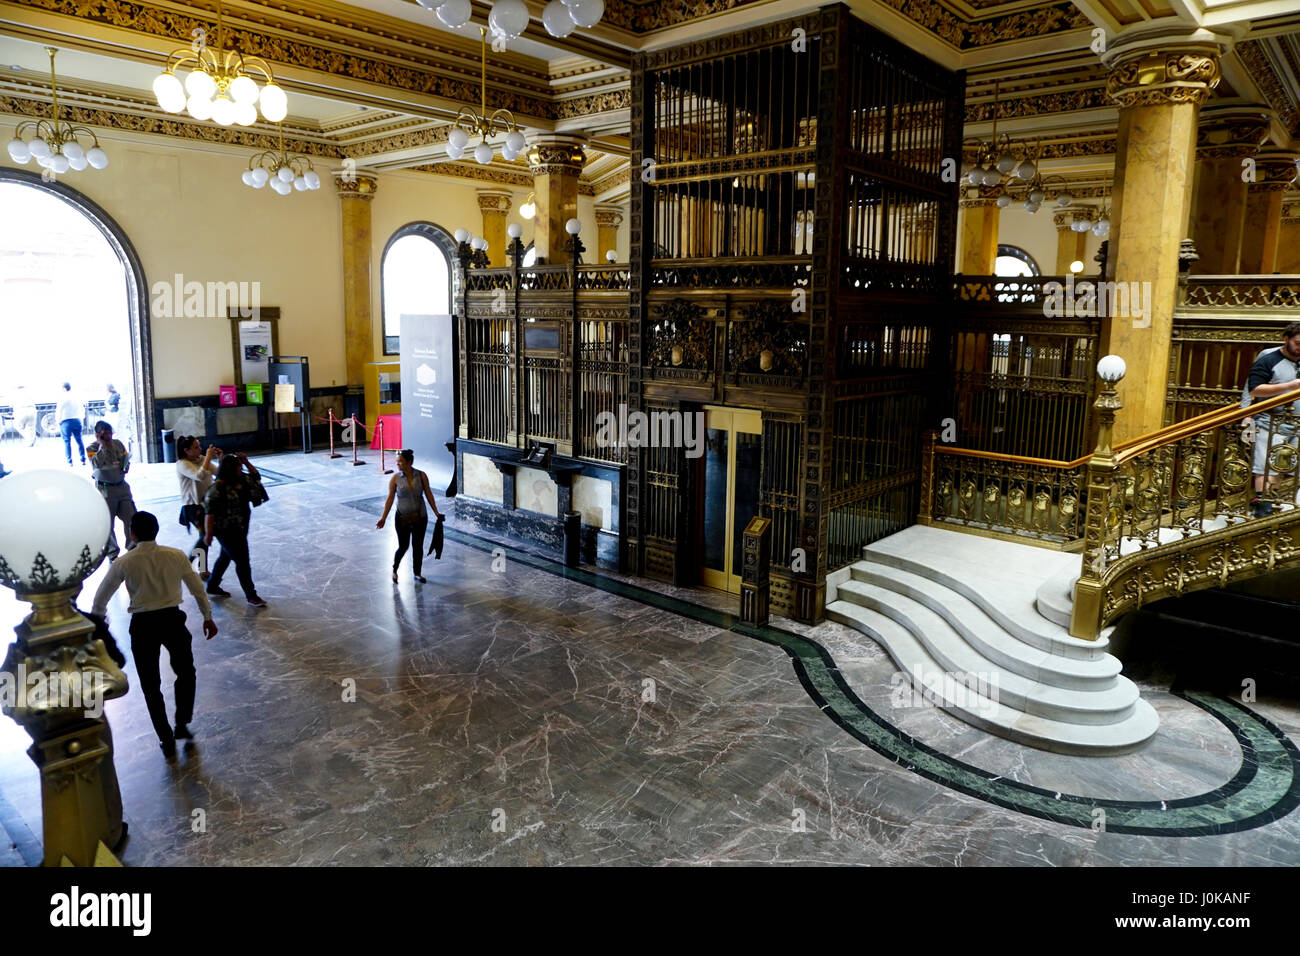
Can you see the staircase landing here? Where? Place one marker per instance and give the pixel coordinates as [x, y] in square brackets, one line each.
[959, 614]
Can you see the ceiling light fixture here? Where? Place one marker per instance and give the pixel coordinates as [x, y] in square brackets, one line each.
[509, 18]
[993, 161]
[470, 122]
[55, 145]
[283, 170]
[219, 86]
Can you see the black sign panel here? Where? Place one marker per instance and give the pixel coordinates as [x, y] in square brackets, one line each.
[429, 395]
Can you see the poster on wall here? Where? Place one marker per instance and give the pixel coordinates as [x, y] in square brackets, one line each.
[255, 352]
[429, 394]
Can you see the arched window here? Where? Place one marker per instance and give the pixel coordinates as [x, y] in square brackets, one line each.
[416, 277]
[530, 257]
[1014, 261]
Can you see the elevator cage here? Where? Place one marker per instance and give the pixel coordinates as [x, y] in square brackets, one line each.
[792, 236]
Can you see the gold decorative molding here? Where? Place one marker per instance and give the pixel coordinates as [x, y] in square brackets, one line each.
[1259, 66]
[490, 201]
[354, 185]
[620, 177]
[1164, 78]
[556, 159]
[1044, 104]
[490, 174]
[611, 217]
[1231, 133]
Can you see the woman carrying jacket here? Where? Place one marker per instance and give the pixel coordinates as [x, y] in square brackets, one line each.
[410, 487]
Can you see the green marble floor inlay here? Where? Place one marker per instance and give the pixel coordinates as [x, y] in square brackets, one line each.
[1265, 788]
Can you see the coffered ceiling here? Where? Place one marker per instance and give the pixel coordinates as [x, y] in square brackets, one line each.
[380, 80]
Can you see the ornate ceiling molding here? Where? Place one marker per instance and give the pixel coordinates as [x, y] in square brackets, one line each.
[1162, 78]
[1046, 104]
[1253, 58]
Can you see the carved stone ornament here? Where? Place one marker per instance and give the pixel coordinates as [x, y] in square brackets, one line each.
[556, 159]
[680, 336]
[610, 217]
[1231, 134]
[1163, 79]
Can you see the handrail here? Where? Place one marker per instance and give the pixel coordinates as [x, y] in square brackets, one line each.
[1130, 449]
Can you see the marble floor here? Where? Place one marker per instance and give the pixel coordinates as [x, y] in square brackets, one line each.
[512, 712]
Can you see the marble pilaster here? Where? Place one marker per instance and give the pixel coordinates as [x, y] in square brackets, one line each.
[1274, 171]
[355, 193]
[1225, 137]
[979, 233]
[555, 162]
[1288, 244]
[1159, 92]
[608, 219]
[494, 204]
[1070, 245]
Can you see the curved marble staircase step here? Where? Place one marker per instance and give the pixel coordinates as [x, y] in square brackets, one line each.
[985, 635]
[999, 577]
[947, 604]
[1110, 703]
[996, 716]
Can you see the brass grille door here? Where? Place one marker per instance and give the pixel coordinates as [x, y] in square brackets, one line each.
[732, 466]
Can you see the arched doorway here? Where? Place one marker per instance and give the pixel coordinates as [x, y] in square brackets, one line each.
[141, 393]
[416, 277]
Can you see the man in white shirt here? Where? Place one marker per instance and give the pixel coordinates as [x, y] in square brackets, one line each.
[69, 416]
[153, 577]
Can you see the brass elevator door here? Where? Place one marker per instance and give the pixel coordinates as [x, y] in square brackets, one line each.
[733, 456]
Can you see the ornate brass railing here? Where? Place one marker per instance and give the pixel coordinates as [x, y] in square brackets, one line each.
[1241, 292]
[1171, 512]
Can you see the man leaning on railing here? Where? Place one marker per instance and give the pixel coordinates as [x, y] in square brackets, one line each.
[1274, 372]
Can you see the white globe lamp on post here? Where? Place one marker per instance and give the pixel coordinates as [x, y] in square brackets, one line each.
[53, 534]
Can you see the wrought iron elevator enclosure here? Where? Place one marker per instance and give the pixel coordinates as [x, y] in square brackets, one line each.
[792, 239]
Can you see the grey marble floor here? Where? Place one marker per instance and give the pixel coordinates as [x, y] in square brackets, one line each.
[523, 718]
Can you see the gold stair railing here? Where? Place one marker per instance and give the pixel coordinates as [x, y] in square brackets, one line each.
[1157, 516]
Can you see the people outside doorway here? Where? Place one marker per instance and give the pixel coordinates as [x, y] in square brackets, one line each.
[112, 404]
[109, 462]
[69, 415]
[1273, 373]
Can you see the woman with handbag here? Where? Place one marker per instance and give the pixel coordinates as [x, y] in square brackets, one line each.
[410, 487]
[227, 515]
[195, 470]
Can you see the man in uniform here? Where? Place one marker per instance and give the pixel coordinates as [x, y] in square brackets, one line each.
[109, 462]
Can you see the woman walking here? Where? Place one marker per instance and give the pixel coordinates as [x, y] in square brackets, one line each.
[410, 487]
[226, 510]
[195, 470]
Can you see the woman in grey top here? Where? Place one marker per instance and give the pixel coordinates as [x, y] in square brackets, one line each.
[411, 488]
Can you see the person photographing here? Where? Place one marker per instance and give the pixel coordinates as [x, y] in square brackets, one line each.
[153, 577]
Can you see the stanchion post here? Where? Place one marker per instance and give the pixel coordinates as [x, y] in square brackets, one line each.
[332, 420]
[383, 467]
[356, 426]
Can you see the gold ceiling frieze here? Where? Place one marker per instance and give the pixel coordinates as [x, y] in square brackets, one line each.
[1058, 146]
[620, 177]
[1256, 61]
[429, 136]
[1061, 101]
[253, 137]
[446, 73]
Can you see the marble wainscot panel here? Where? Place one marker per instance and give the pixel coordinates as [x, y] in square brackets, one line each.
[481, 478]
[535, 491]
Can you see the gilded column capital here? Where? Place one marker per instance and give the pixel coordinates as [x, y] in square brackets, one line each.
[354, 185]
[1164, 77]
[611, 217]
[977, 197]
[1275, 171]
[1232, 132]
[493, 200]
[556, 157]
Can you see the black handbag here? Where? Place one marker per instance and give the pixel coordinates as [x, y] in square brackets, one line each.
[256, 491]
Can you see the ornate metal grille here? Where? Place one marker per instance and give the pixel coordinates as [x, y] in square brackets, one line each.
[602, 383]
[779, 500]
[488, 347]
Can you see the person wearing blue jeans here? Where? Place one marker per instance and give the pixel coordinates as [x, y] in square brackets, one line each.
[69, 414]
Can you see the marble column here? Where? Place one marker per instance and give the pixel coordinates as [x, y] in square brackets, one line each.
[494, 204]
[355, 192]
[608, 219]
[1288, 244]
[1159, 92]
[555, 162]
[1274, 171]
[1070, 245]
[979, 232]
[1224, 138]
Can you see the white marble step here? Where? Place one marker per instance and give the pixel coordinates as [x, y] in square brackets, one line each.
[1108, 703]
[999, 577]
[997, 717]
[987, 637]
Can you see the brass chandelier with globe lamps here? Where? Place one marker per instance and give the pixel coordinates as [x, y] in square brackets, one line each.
[55, 144]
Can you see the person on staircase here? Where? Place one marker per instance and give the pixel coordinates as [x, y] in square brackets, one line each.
[1273, 373]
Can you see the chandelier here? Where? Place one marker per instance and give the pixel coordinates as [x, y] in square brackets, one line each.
[283, 170]
[996, 159]
[55, 145]
[509, 18]
[219, 87]
[480, 123]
